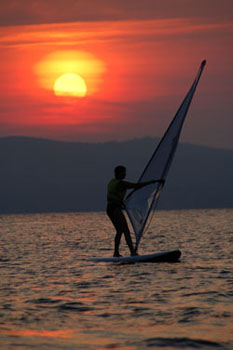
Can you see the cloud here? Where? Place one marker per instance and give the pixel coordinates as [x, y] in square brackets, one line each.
[150, 65]
[127, 32]
[23, 12]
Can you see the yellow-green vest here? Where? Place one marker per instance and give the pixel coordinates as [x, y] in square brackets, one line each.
[116, 192]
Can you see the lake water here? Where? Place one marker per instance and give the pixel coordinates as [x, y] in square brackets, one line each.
[52, 297]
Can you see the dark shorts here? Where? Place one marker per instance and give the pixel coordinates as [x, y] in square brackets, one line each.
[112, 207]
[117, 217]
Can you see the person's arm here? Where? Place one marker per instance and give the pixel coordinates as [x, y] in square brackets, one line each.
[136, 186]
[142, 184]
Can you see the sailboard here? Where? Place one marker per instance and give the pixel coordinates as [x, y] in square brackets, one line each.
[167, 256]
[141, 203]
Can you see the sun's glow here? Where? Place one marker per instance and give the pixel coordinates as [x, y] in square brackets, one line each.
[70, 84]
[84, 67]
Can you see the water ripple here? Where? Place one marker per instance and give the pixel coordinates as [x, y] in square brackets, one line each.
[53, 297]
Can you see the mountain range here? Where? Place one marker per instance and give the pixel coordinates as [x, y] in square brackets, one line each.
[40, 175]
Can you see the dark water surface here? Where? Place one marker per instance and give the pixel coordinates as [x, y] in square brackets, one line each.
[52, 297]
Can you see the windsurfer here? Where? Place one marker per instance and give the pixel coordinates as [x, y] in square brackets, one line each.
[115, 204]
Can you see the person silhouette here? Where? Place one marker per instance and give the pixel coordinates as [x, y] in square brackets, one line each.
[116, 191]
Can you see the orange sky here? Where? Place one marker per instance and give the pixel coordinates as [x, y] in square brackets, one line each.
[136, 70]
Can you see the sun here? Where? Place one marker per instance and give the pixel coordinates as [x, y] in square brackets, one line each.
[70, 84]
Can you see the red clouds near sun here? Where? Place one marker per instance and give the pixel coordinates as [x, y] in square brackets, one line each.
[136, 74]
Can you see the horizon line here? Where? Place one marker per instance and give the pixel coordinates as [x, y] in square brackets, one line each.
[156, 138]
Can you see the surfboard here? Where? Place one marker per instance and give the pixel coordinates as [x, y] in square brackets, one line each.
[167, 256]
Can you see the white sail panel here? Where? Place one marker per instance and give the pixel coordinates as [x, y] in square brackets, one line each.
[139, 203]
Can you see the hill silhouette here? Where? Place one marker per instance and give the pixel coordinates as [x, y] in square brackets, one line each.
[39, 175]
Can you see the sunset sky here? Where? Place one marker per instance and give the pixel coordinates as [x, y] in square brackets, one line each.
[114, 70]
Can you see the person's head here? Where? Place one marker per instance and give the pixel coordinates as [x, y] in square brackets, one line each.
[120, 172]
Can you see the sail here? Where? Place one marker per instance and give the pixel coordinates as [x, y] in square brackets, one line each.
[139, 203]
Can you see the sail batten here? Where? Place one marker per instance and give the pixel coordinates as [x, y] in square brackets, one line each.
[139, 203]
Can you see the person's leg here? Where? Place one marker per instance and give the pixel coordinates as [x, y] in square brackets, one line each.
[126, 232]
[121, 226]
[113, 216]
[117, 242]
